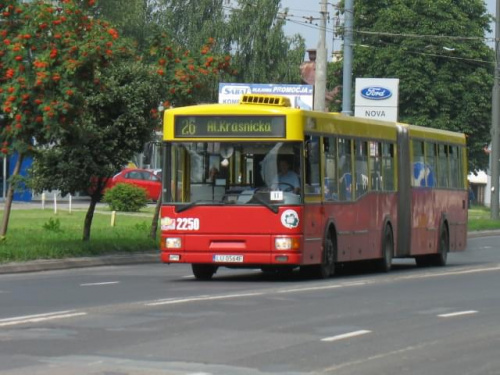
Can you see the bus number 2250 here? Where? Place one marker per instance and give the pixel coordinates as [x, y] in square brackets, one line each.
[186, 223]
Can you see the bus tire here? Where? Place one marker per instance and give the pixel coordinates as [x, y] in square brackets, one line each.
[384, 264]
[440, 259]
[327, 267]
[203, 271]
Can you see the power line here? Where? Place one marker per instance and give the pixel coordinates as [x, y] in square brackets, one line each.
[306, 21]
[422, 36]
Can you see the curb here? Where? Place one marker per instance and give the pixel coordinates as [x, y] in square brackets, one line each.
[483, 233]
[62, 264]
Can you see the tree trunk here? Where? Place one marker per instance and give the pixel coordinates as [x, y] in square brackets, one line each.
[8, 200]
[154, 224]
[94, 198]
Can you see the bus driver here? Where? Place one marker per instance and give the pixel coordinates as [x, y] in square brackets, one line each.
[288, 180]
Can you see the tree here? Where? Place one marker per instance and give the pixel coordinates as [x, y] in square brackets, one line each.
[436, 50]
[116, 123]
[50, 56]
[262, 53]
[189, 22]
[134, 18]
[119, 117]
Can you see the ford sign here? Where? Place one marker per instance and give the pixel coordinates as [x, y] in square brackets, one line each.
[376, 93]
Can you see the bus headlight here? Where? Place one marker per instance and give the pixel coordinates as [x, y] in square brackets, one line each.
[286, 243]
[173, 243]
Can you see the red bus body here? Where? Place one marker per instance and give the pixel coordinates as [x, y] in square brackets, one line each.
[410, 220]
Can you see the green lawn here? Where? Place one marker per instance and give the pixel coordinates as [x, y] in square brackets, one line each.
[41, 234]
[479, 219]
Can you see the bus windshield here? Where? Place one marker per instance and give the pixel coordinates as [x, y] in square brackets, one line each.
[239, 173]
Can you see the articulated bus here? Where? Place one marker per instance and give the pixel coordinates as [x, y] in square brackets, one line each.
[366, 190]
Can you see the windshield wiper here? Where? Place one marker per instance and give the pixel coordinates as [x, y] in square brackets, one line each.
[263, 202]
[185, 207]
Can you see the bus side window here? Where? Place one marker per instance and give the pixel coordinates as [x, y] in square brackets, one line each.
[331, 181]
[419, 168]
[455, 167]
[361, 168]
[430, 162]
[312, 178]
[387, 167]
[375, 166]
[442, 164]
[345, 169]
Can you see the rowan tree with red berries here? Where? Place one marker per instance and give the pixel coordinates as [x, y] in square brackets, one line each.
[61, 82]
[49, 55]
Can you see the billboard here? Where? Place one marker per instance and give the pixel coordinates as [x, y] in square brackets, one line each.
[377, 98]
[301, 96]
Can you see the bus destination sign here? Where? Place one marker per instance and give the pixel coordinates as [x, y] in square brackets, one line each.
[229, 126]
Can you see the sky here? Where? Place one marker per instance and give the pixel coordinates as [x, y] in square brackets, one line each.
[300, 10]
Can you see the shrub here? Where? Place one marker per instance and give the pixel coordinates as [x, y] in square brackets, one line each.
[126, 197]
[53, 225]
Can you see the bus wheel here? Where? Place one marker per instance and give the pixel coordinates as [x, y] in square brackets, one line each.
[440, 259]
[385, 263]
[327, 267]
[203, 271]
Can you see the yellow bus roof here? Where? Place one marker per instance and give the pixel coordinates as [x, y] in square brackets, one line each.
[300, 122]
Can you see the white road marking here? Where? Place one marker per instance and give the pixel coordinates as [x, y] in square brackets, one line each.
[346, 335]
[323, 287]
[463, 271]
[458, 313]
[379, 356]
[200, 298]
[39, 318]
[104, 283]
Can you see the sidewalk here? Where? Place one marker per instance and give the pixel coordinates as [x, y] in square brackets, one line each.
[61, 264]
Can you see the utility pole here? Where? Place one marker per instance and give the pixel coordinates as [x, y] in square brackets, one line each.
[348, 41]
[320, 74]
[495, 123]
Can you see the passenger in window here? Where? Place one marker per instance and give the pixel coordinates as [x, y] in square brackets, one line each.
[329, 191]
[288, 180]
[212, 174]
[346, 186]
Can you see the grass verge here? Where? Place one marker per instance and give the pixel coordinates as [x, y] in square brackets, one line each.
[41, 234]
[480, 219]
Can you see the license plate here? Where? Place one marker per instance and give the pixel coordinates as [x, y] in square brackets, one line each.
[228, 258]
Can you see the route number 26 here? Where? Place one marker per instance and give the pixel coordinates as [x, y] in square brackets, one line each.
[188, 128]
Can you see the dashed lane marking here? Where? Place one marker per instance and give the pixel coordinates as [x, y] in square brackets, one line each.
[458, 313]
[346, 335]
[39, 318]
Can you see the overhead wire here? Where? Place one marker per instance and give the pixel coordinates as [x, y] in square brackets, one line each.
[307, 21]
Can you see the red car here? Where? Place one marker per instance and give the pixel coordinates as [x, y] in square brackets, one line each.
[138, 177]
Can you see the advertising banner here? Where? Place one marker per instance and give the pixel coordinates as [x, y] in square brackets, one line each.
[301, 96]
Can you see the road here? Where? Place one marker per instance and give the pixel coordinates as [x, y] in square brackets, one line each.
[157, 319]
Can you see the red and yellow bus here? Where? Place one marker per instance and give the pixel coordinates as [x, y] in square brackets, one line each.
[367, 190]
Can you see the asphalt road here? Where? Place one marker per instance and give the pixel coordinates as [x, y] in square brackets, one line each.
[157, 319]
